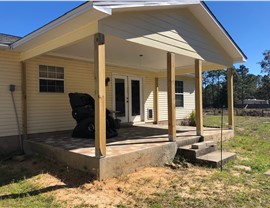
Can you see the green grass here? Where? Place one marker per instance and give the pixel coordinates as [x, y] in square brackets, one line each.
[231, 188]
[17, 191]
[251, 141]
[252, 145]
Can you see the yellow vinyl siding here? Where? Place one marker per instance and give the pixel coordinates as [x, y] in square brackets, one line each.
[189, 98]
[10, 73]
[48, 112]
[174, 30]
[148, 93]
[52, 112]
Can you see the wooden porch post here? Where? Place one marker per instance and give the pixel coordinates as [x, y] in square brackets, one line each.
[24, 99]
[230, 99]
[198, 97]
[156, 101]
[171, 96]
[100, 95]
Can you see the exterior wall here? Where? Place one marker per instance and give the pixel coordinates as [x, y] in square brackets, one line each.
[49, 112]
[175, 30]
[10, 73]
[189, 98]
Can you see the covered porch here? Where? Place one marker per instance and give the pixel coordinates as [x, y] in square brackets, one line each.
[135, 147]
[125, 39]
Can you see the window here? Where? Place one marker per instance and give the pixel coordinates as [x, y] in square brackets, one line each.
[51, 79]
[179, 94]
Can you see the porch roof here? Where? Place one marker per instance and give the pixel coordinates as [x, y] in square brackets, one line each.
[71, 36]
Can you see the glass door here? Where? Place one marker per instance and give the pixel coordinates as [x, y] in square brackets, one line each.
[135, 99]
[120, 97]
[127, 98]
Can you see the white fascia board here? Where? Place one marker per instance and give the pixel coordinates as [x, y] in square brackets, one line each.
[68, 16]
[151, 5]
[105, 10]
[4, 46]
[239, 60]
[118, 4]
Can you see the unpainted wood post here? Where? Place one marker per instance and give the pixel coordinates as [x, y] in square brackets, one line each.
[198, 97]
[171, 96]
[230, 99]
[100, 95]
[156, 101]
[24, 99]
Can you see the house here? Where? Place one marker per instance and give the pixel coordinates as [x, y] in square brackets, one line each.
[151, 53]
[255, 101]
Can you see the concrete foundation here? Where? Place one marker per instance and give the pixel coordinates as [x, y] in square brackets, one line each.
[128, 163]
[135, 148]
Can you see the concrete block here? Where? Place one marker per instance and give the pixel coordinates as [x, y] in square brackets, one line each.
[199, 145]
[202, 145]
[191, 154]
[213, 159]
[209, 143]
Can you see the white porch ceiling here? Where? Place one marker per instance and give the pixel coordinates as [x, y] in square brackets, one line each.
[123, 53]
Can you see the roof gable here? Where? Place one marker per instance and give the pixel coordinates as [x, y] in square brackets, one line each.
[108, 9]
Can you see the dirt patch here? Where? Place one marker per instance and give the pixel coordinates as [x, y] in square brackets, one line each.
[111, 192]
[133, 189]
[73, 188]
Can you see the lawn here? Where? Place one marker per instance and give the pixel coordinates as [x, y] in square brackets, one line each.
[39, 183]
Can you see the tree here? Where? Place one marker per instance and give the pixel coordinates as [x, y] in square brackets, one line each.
[264, 88]
[265, 63]
[241, 83]
[212, 87]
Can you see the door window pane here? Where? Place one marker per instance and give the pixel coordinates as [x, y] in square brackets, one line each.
[135, 93]
[179, 95]
[120, 97]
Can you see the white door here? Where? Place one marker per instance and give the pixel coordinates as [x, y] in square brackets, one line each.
[127, 98]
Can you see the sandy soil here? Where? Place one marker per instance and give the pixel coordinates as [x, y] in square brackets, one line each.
[73, 188]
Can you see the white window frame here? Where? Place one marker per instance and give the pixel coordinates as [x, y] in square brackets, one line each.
[45, 75]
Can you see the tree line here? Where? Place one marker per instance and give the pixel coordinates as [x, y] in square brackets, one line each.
[246, 84]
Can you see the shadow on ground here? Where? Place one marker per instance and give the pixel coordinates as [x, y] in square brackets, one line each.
[13, 172]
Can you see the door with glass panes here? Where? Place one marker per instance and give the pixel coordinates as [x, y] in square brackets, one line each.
[127, 98]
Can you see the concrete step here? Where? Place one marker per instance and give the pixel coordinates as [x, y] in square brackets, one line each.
[191, 152]
[213, 159]
[188, 141]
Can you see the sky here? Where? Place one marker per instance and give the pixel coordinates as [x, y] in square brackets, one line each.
[247, 22]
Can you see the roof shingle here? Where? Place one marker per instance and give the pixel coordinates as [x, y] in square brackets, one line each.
[8, 39]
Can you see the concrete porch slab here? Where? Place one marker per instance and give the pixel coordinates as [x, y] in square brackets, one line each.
[135, 147]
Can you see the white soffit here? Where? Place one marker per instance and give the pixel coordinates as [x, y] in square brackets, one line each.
[122, 53]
